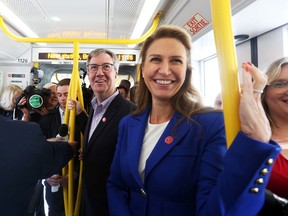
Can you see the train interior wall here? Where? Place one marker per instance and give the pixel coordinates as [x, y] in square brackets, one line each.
[271, 45]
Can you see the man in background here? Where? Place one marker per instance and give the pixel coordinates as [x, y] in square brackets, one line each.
[124, 88]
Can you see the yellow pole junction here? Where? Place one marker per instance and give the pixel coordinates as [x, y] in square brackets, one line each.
[224, 40]
[83, 40]
[36, 64]
[75, 91]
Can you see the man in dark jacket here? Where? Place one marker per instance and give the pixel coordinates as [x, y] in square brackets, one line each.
[26, 156]
[101, 133]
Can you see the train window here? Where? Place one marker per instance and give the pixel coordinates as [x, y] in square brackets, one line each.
[212, 85]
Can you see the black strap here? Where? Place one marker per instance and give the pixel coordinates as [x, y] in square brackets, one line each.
[274, 205]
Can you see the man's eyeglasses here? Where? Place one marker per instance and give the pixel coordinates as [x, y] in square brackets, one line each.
[278, 84]
[106, 68]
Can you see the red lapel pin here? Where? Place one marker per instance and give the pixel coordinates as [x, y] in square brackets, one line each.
[169, 140]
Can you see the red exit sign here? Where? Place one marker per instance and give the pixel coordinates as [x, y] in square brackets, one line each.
[196, 23]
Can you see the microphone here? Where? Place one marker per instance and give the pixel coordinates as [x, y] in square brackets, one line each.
[62, 133]
[56, 187]
[63, 137]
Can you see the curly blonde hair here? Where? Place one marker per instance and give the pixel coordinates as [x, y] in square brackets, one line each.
[8, 97]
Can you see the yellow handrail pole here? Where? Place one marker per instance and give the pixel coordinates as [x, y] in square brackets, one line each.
[82, 40]
[36, 64]
[65, 169]
[65, 190]
[224, 40]
[79, 192]
[69, 118]
[57, 78]
[72, 91]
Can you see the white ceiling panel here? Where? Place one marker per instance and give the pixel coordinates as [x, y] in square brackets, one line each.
[116, 18]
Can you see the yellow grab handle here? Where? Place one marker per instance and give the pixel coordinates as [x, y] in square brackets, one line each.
[224, 40]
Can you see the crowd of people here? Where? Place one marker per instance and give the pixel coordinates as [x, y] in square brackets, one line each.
[154, 149]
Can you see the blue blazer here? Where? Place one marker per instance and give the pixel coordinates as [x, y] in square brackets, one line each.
[189, 171]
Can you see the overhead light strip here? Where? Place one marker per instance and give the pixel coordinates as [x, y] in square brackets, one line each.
[146, 13]
[15, 21]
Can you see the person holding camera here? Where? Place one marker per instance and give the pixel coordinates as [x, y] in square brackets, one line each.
[35, 103]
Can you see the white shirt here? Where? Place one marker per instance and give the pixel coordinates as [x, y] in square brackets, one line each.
[99, 111]
[152, 134]
[62, 114]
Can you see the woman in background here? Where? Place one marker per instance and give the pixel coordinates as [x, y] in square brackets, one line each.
[275, 103]
[8, 99]
[218, 104]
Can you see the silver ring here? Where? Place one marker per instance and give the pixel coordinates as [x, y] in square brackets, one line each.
[258, 91]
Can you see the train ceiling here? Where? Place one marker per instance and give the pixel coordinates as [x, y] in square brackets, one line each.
[117, 18]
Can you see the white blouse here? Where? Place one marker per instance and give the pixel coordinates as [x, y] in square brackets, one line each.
[152, 135]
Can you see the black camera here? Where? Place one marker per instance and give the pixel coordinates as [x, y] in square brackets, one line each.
[35, 98]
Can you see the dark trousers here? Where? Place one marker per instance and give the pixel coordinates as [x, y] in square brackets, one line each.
[36, 205]
[55, 201]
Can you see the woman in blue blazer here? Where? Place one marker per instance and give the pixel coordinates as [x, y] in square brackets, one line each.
[171, 157]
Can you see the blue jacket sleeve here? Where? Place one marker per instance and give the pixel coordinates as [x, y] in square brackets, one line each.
[241, 185]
